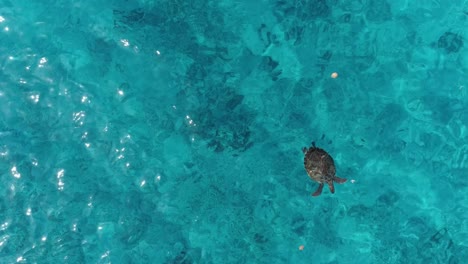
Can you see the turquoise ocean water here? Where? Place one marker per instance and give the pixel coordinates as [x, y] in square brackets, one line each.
[170, 131]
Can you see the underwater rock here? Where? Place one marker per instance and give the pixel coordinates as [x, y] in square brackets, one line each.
[450, 42]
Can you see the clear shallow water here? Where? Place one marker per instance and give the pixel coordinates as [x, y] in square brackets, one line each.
[171, 132]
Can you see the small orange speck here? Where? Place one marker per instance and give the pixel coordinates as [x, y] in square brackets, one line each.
[301, 247]
[334, 75]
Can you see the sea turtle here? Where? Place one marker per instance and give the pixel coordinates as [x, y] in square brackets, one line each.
[321, 168]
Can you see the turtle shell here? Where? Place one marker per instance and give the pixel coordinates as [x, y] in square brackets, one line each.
[321, 168]
[319, 164]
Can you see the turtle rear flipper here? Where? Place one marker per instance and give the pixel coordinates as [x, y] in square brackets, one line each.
[331, 186]
[339, 180]
[318, 191]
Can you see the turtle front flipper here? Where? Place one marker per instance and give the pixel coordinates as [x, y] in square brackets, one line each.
[318, 191]
[339, 180]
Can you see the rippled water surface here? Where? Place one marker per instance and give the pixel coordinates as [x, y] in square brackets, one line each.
[151, 131]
